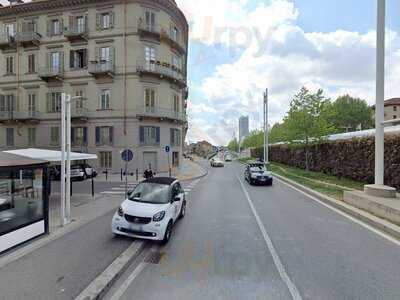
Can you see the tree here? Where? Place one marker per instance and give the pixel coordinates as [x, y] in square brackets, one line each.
[277, 133]
[350, 114]
[253, 140]
[306, 121]
[233, 145]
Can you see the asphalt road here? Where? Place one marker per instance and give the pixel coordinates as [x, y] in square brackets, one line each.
[264, 243]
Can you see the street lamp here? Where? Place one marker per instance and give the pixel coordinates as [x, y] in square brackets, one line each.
[266, 159]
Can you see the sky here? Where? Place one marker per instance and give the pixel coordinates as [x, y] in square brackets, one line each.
[238, 48]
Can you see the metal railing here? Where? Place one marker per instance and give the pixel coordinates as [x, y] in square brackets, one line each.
[79, 112]
[163, 69]
[101, 67]
[144, 27]
[74, 30]
[28, 36]
[157, 112]
[51, 71]
[6, 39]
[19, 115]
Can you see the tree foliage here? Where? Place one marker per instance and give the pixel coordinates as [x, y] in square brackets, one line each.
[233, 145]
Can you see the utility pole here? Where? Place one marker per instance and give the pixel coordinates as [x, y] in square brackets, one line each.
[380, 94]
[266, 159]
[65, 159]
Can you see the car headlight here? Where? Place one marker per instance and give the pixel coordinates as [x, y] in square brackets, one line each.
[159, 216]
[120, 212]
[253, 175]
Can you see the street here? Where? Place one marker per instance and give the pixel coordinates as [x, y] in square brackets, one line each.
[244, 242]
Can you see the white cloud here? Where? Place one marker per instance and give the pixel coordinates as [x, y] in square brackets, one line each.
[339, 62]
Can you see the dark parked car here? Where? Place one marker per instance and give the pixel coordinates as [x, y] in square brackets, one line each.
[257, 173]
[78, 172]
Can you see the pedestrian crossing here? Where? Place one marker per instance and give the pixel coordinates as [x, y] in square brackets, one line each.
[191, 186]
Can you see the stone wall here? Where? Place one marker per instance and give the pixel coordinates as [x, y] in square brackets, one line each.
[354, 159]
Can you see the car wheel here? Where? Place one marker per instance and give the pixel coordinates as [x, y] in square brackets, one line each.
[183, 210]
[84, 177]
[167, 234]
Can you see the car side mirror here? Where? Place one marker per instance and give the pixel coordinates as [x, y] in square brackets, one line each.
[177, 199]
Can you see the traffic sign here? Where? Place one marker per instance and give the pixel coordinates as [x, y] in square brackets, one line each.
[167, 149]
[127, 155]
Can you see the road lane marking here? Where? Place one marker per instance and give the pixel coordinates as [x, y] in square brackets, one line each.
[113, 193]
[355, 220]
[277, 261]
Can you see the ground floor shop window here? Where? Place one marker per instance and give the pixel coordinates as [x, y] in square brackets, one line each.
[21, 199]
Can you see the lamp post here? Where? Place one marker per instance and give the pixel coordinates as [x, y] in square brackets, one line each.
[266, 159]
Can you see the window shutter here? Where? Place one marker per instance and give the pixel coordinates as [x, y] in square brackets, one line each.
[72, 135]
[98, 21]
[71, 23]
[112, 55]
[86, 22]
[157, 135]
[48, 60]
[85, 141]
[61, 20]
[72, 59]
[97, 135]
[85, 58]
[171, 136]
[49, 23]
[97, 54]
[48, 95]
[141, 134]
[61, 61]
[112, 19]
[111, 133]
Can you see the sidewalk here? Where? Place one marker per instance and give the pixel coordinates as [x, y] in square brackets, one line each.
[188, 170]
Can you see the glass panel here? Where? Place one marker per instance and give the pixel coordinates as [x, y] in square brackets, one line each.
[21, 200]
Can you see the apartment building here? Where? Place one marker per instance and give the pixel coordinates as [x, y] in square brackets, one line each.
[123, 61]
[392, 109]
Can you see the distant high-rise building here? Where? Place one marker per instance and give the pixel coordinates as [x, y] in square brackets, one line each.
[243, 127]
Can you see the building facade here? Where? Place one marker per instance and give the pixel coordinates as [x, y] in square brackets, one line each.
[123, 61]
[392, 109]
[243, 127]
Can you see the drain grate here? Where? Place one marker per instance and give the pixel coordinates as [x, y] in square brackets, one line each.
[154, 257]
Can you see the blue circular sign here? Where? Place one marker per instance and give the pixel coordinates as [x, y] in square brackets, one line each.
[127, 155]
[167, 149]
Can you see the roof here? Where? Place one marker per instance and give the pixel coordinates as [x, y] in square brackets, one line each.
[161, 180]
[12, 160]
[50, 155]
[393, 101]
[256, 163]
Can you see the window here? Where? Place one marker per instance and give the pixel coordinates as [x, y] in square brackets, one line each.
[31, 103]
[175, 159]
[54, 102]
[55, 136]
[105, 99]
[79, 136]
[394, 117]
[7, 103]
[175, 137]
[80, 24]
[104, 135]
[106, 160]
[10, 65]
[150, 57]
[31, 136]
[78, 59]
[394, 108]
[31, 63]
[176, 62]
[54, 27]
[10, 29]
[10, 137]
[149, 100]
[105, 21]
[149, 135]
[79, 101]
[55, 62]
[175, 103]
[150, 19]
[175, 34]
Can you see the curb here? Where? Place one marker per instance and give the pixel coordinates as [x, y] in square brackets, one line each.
[197, 177]
[378, 223]
[102, 283]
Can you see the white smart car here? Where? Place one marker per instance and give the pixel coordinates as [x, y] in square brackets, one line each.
[151, 210]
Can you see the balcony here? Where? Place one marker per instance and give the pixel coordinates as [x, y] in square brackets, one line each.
[7, 42]
[77, 33]
[162, 71]
[173, 42]
[29, 38]
[79, 114]
[102, 69]
[160, 114]
[152, 31]
[19, 116]
[51, 74]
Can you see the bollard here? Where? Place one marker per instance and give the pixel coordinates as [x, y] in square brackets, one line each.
[121, 175]
[137, 175]
[92, 187]
[106, 174]
[170, 172]
[70, 187]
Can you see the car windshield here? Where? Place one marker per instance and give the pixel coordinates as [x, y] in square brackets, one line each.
[150, 193]
[258, 169]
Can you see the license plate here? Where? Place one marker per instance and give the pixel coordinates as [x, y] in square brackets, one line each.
[263, 179]
[137, 228]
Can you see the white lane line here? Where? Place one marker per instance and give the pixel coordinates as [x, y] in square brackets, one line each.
[277, 261]
[121, 291]
[118, 188]
[113, 193]
[355, 220]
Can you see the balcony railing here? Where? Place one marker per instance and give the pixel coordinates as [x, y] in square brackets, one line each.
[160, 113]
[19, 116]
[149, 30]
[102, 68]
[79, 113]
[7, 41]
[29, 38]
[74, 33]
[52, 73]
[162, 70]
